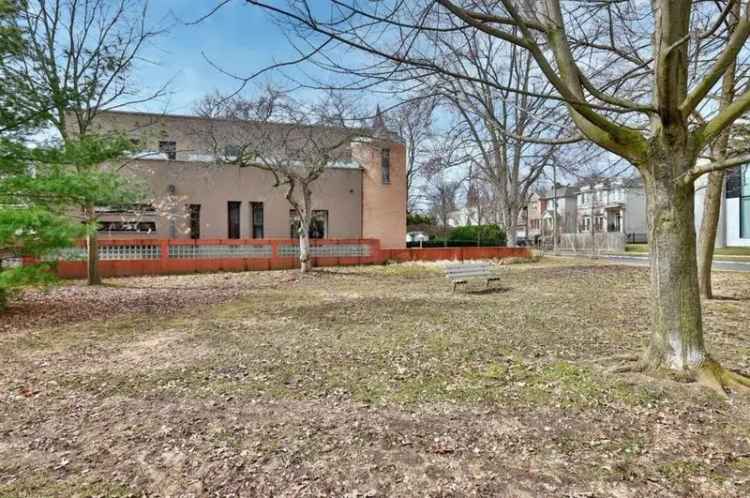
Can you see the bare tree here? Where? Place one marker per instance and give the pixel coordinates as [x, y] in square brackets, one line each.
[441, 194]
[80, 59]
[292, 141]
[412, 121]
[628, 75]
[510, 136]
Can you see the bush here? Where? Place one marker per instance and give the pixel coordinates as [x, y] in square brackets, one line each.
[419, 219]
[484, 235]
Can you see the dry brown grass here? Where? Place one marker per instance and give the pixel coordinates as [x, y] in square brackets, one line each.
[373, 381]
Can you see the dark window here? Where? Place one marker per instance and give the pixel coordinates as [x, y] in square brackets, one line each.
[745, 204]
[127, 226]
[233, 219]
[318, 224]
[232, 151]
[385, 165]
[256, 214]
[168, 148]
[195, 221]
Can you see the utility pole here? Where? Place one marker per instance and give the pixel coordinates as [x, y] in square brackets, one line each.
[554, 205]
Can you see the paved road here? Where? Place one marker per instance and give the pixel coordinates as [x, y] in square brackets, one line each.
[718, 264]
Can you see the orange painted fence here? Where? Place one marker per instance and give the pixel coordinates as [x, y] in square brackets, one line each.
[159, 256]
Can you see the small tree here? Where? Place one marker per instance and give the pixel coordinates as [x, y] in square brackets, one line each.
[79, 60]
[291, 141]
[39, 189]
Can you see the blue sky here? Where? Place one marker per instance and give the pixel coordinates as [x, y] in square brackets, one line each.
[239, 38]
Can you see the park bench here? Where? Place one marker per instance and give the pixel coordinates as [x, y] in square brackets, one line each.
[461, 273]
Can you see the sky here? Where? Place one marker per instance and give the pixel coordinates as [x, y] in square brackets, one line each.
[238, 38]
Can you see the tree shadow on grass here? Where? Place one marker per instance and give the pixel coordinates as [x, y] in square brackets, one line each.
[729, 298]
[487, 290]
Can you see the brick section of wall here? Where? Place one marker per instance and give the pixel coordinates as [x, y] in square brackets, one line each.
[189, 256]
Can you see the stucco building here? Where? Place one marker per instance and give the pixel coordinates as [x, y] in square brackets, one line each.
[193, 195]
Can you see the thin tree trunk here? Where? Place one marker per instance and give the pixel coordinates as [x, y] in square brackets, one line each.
[708, 230]
[305, 257]
[715, 184]
[92, 253]
[677, 338]
[512, 214]
[305, 260]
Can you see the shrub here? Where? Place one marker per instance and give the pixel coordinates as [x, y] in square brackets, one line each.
[485, 235]
[419, 219]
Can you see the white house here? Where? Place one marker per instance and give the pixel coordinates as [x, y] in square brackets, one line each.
[616, 205]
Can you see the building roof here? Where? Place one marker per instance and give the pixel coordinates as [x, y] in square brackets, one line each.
[370, 132]
[562, 191]
[607, 181]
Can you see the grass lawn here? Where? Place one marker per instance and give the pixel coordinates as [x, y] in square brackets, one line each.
[371, 381]
[722, 251]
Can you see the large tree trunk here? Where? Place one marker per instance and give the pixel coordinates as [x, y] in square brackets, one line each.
[677, 340]
[708, 229]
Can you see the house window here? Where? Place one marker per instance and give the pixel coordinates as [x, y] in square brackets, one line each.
[318, 224]
[233, 219]
[195, 221]
[256, 214]
[600, 223]
[168, 148]
[745, 204]
[385, 165]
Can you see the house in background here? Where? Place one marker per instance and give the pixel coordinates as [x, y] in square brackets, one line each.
[530, 219]
[195, 197]
[613, 205]
[734, 219]
[566, 210]
[466, 216]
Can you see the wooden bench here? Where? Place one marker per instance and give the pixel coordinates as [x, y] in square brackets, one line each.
[461, 273]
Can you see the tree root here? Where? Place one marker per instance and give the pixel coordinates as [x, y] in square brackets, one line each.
[709, 374]
[720, 380]
[626, 363]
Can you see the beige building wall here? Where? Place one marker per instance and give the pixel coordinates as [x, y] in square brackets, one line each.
[211, 186]
[383, 204]
[359, 204]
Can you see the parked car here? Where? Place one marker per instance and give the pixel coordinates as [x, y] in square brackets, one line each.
[417, 237]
